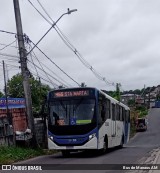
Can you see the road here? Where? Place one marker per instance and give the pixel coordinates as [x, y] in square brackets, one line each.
[138, 150]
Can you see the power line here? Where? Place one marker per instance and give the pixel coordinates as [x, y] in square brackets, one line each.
[47, 74]
[56, 64]
[51, 82]
[7, 45]
[35, 45]
[30, 47]
[70, 46]
[14, 56]
[39, 12]
[39, 76]
[9, 55]
[51, 71]
[10, 65]
[7, 32]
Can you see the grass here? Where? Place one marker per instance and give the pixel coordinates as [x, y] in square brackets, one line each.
[13, 154]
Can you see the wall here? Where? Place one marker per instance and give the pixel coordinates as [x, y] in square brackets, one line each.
[6, 132]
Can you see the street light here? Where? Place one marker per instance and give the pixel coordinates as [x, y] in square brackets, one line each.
[68, 12]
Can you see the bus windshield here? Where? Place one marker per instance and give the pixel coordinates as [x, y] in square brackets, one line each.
[72, 112]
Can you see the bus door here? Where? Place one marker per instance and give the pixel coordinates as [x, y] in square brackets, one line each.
[113, 120]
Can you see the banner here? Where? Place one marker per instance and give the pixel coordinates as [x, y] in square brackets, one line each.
[12, 103]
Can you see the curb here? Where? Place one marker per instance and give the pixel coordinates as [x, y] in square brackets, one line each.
[155, 161]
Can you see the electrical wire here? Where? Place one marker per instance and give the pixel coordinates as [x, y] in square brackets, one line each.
[70, 46]
[66, 84]
[47, 74]
[9, 55]
[30, 47]
[7, 32]
[8, 45]
[51, 71]
[56, 64]
[39, 76]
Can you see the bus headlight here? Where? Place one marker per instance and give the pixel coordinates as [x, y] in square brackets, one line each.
[51, 137]
[92, 136]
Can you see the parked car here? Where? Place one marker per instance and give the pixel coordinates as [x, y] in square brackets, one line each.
[141, 124]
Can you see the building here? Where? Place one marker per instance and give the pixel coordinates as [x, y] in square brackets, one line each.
[16, 113]
[127, 97]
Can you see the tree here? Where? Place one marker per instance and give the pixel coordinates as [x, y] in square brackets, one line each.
[1, 94]
[38, 90]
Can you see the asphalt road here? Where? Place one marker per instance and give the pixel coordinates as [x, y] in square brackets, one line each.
[136, 151]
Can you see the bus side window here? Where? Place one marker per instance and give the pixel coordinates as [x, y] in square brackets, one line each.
[128, 116]
[121, 112]
[108, 109]
[113, 112]
[103, 112]
[122, 115]
[117, 112]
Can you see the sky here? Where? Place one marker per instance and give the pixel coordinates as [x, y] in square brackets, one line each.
[119, 39]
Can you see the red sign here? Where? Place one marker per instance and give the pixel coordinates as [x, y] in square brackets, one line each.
[71, 93]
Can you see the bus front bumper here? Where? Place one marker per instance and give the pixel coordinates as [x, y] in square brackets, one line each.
[91, 144]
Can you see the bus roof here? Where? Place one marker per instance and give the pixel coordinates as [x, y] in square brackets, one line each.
[114, 100]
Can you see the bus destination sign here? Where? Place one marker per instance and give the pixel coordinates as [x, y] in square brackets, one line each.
[59, 94]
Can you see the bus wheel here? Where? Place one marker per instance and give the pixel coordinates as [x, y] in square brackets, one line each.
[65, 153]
[122, 142]
[105, 145]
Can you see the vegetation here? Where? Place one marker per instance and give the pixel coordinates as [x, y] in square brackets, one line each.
[133, 122]
[13, 154]
[38, 90]
[1, 94]
[142, 111]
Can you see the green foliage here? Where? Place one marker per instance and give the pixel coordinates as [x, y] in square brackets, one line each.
[142, 111]
[141, 108]
[38, 91]
[15, 86]
[11, 154]
[1, 94]
[131, 102]
[113, 94]
[132, 130]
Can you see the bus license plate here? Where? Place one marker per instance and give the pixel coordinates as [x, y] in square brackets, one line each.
[69, 147]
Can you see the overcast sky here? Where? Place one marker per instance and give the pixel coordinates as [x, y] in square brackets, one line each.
[120, 39]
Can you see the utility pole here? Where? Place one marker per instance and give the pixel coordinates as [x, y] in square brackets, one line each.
[24, 70]
[5, 90]
[149, 97]
[144, 95]
[118, 91]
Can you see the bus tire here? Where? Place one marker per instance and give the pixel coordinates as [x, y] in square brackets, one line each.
[105, 145]
[65, 153]
[122, 142]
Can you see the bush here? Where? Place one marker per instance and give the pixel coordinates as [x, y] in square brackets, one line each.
[143, 113]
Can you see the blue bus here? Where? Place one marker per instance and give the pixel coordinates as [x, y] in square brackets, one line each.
[84, 119]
